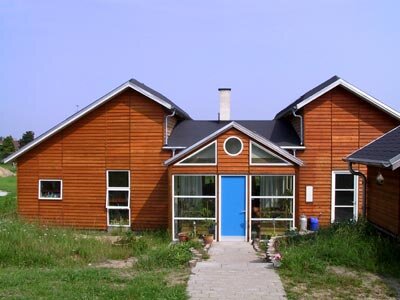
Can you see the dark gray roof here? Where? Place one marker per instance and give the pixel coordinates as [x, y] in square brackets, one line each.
[179, 110]
[383, 152]
[311, 92]
[188, 132]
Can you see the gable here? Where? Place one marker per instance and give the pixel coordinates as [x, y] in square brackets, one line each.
[329, 85]
[129, 85]
[241, 133]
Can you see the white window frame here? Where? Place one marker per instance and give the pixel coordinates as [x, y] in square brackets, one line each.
[269, 152]
[191, 218]
[181, 163]
[333, 197]
[272, 197]
[111, 207]
[241, 145]
[50, 198]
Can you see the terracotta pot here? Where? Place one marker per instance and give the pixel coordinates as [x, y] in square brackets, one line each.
[183, 236]
[208, 239]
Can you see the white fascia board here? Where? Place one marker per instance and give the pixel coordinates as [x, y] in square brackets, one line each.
[294, 147]
[354, 90]
[83, 112]
[251, 134]
[174, 147]
[395, 162]
[369, 162]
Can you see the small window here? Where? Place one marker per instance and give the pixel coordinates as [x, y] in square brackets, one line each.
[204, 156]
[50, 189]
[233, 146]
[344, 197]
[261, 156]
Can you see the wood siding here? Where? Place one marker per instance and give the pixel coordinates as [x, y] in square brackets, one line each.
[230, 165]
[126, 133]
[383, 203]
[335, 125]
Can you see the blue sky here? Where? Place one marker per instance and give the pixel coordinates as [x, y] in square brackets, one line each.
[55, 55]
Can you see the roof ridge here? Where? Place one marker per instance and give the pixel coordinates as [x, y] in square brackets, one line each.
[307, 94]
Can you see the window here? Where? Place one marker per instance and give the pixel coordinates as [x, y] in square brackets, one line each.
[118, 198]
[261, 156]
[205, 156]
[194, 208]
[233, 146]
[50, 189]
[344, 196]
[272, 205]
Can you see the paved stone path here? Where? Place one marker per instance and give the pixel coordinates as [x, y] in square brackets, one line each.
[234, 272]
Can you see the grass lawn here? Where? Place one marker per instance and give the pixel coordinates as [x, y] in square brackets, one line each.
[346, 261]
[38, 262]
[9, 167]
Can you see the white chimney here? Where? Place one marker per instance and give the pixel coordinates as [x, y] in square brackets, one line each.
[224, 104]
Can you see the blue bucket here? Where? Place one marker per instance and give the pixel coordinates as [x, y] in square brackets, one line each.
[314, 225]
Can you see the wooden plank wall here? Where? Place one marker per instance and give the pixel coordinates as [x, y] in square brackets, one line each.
[124, 134]
[383, 205]
[335, 125]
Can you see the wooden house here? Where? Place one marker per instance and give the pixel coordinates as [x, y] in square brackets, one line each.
[134, 158]
[382, 156]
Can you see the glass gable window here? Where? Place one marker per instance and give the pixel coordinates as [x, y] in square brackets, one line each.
[272, 205]
[344, 197]
[261, 156]
[50, 189]
[118, 198]
[194, 204]
[204, 156]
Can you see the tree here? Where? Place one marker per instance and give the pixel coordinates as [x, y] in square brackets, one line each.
[7, 147]
[27, 137]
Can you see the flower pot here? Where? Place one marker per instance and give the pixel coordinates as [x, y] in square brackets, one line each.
[183, 236]
[276, 263]
[208, 239]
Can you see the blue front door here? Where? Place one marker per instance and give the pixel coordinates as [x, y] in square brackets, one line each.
[233, 207]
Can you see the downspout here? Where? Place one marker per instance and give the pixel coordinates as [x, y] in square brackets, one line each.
[301, 125]
[166, 127]
[364, 183]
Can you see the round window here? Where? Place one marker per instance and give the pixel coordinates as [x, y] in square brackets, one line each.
[233, 146]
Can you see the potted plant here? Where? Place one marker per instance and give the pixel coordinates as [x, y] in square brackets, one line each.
[277, 260]
[183, 236]
[210, 225]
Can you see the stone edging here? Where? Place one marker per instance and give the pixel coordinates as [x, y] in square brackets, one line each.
[197, 256]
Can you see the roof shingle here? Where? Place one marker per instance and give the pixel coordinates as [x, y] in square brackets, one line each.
[188, 132]
[383, 152]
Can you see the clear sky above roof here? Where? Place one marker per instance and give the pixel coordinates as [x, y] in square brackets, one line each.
[55, 55]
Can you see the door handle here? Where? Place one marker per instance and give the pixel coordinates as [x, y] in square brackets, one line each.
[243, 211]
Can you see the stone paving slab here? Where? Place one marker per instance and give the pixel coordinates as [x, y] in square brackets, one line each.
[234, 272]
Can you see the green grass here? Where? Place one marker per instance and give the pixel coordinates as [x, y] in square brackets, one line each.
[10, 167]
[8, 204]
[54, 263]
[308, 261]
